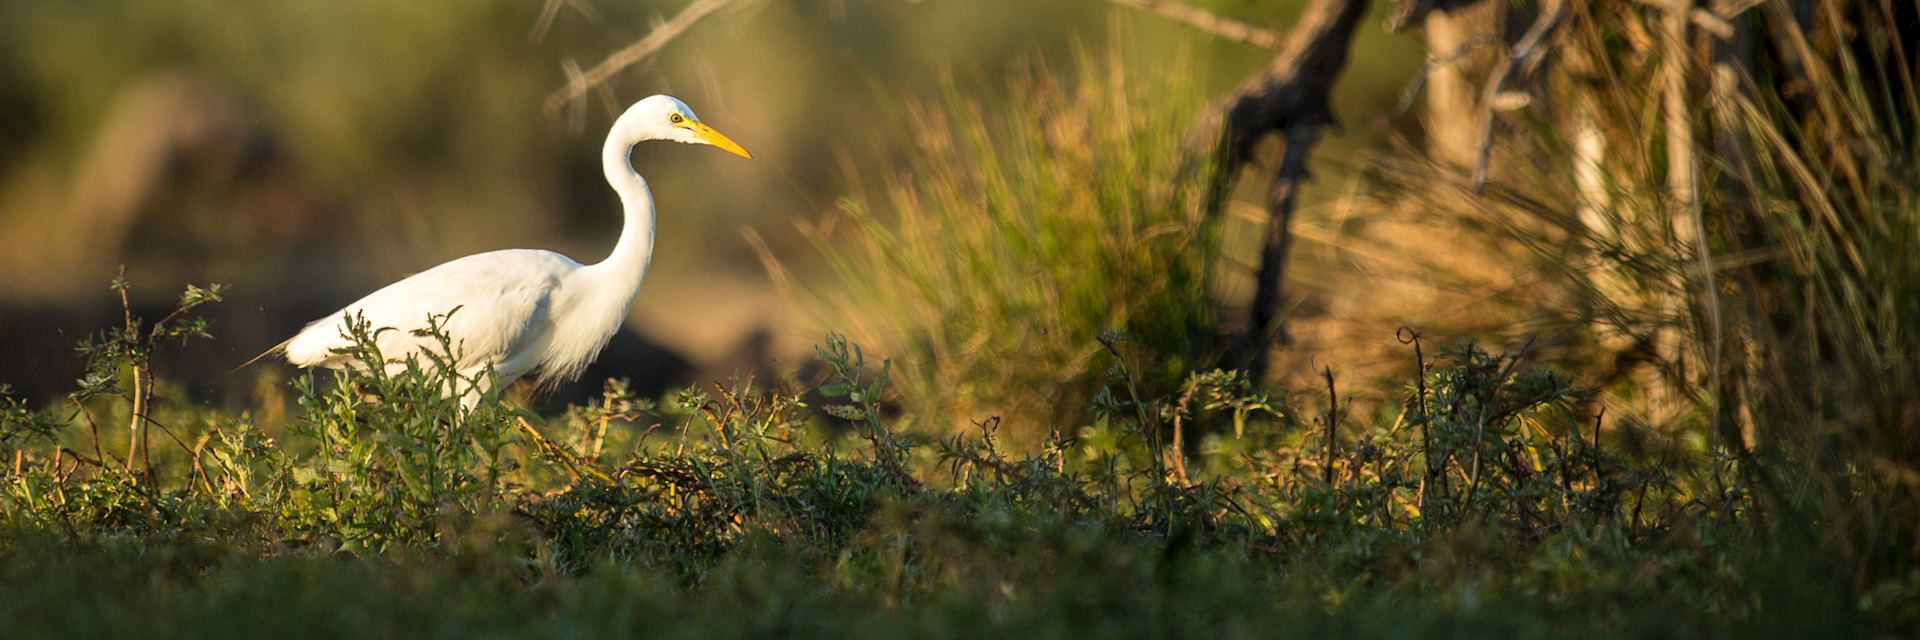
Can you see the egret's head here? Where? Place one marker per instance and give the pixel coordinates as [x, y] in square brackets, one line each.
[667, 118]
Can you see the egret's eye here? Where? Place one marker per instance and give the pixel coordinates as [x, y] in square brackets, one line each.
[676, 119]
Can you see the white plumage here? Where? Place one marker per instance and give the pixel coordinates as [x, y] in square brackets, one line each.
[519, 311]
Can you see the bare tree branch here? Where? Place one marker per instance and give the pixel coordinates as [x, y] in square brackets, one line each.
[551, 11]
[1419, 81]
[662, 34]
[1290, 97]
[1209, 22]
[1407, 13]
[1525, 59]
[1720, 26]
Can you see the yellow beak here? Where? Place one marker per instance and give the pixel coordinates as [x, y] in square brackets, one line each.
[706, 133]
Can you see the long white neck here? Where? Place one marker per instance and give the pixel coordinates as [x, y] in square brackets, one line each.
[627, 265]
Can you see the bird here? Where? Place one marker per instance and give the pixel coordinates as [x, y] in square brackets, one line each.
[516, 312]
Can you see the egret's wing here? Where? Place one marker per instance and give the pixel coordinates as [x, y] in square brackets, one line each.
[495, 300]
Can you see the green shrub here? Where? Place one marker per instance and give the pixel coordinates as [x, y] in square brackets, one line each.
[395, 457]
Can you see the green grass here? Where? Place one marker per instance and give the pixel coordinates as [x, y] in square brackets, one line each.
[379, 509]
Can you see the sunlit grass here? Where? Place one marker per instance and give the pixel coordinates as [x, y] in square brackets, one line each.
[1020, 234]
[1768, 325]
[384, 508]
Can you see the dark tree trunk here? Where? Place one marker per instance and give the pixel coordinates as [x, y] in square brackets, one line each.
[1289, 97]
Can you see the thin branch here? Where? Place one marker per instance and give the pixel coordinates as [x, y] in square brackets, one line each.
[1226, 28]
[662, 34]
[1525, 59]
[1419, 80]
[1721, 26]
[1407, 335]
[1407, 13]
[1333, 425]
[92, 426]
[551, 10]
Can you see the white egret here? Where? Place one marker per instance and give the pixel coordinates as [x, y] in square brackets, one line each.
[519, 311]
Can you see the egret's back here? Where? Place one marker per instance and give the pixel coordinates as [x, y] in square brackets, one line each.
[500, 303]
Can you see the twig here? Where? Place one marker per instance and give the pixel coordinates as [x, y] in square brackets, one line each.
[92, 426]
[551, 10]
[201, 469]
[1720, 26]
[661, 35]
[1419, 80]
[61, 453]
[1333, 422]
[1407, 335]
[1597, 418]
[1179, 430]
[1526, 58]
[1148, 428]
[1406, 13]
[1208, 21]
[170, 435]
[141, 382]
[568, 462]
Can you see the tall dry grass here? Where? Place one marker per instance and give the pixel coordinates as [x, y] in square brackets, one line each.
[1015, 237]
[1720, 230]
